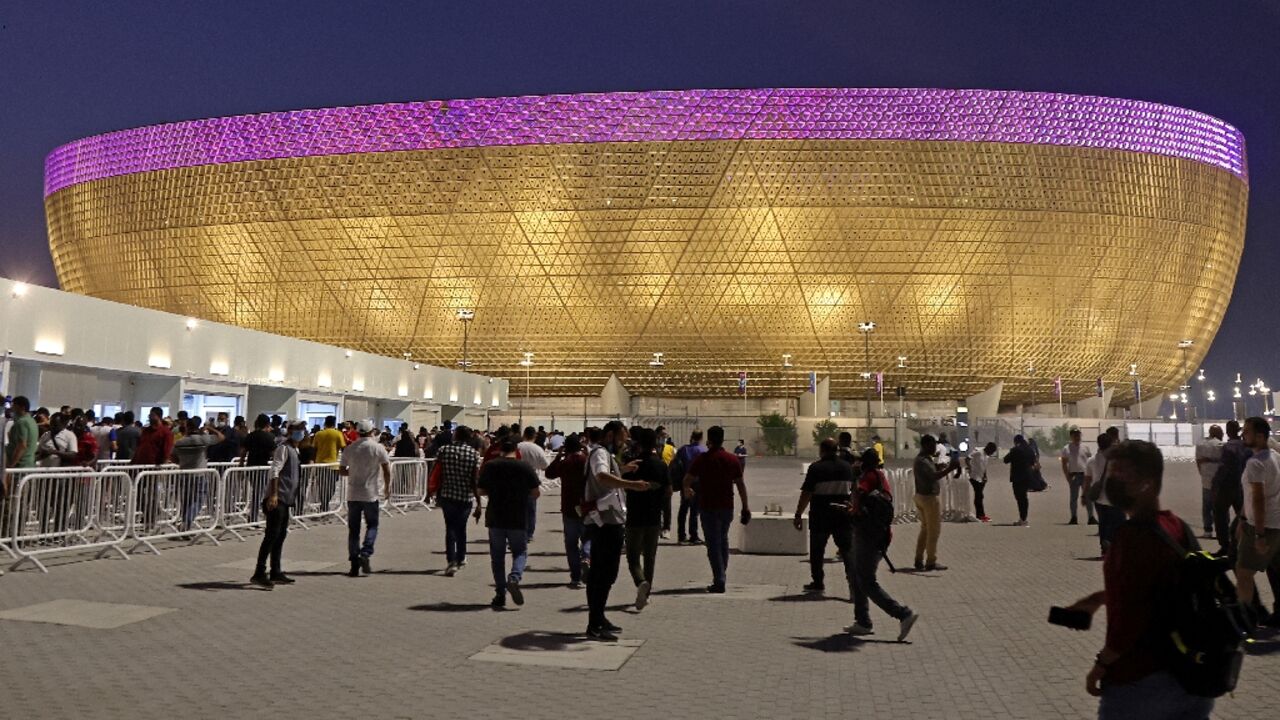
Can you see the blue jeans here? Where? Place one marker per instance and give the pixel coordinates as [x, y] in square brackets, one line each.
[356, 510]
[499, 539]
[715, 531]
[577, 546]
[1075, 481]
[530, 517]
[1157, 695]
[456, 513]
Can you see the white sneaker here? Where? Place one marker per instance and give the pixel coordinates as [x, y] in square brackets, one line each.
[642, 595]
[666, 534]
[449, 571]
[905, 626]
[856, 629]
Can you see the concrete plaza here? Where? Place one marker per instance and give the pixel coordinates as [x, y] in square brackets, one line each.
[198, 642]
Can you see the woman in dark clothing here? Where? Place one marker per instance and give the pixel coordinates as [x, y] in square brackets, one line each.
[406, 445]
[1022, 463]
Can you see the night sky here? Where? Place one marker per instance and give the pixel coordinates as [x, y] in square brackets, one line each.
[68, 70]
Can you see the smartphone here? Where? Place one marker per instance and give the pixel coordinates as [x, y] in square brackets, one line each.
[1068, 618]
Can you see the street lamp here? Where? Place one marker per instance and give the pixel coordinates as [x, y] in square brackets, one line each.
[465, 316]
[866, 328]
[1184, 345]
[1031, 371]
[1203, 410]
[1173, 401]
[527, 363]
[1137, 388]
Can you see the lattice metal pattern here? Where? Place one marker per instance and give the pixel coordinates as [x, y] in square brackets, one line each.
[975, 259]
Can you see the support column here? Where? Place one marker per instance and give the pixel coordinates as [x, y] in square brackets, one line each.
[1148, 409]
[986, 403]
[1094, 407]
[816, 404]
[615, 399]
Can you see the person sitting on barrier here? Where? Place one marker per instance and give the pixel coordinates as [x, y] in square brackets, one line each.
[286, 471]
[827, 485]
[361, 464]
[870, 508]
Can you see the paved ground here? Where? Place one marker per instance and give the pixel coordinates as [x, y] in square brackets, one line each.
[398, 644]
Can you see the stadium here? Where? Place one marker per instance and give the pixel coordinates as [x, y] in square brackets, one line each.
[685, 240]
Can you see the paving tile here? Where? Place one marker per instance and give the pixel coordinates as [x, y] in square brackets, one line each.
[84, 613]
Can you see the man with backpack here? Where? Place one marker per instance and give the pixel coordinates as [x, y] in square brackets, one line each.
[1152, 576]
[827, 485]
[871, 510]
[679, 467]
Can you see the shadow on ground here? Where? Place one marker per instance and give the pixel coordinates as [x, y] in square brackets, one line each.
[839, 643]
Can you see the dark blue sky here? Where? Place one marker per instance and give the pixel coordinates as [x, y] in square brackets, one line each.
[71, 69]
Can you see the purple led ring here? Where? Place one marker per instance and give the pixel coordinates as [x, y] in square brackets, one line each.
[804, 114]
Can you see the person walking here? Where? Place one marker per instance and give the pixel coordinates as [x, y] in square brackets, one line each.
[1095, 490]
[688, 501]
[667, 451]
[1131, 675]
[1258, 537]
[741, 452]
[1227, 489]
[570, 468]
[1208, 460]
[872, 533]
[1021, 460]
[607, 516]
[644, 512]
[530, 451]
[1075, 460]
[825, 492]
[286, 473]
[977, 462]
[713, 477]
[928, 485]
[459, 473]
[362, 463]
[508, 482]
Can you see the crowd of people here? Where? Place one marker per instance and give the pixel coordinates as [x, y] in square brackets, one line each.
[617, 492]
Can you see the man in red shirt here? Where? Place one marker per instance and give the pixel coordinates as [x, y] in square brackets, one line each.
[155, 447]
[713, 475]
[1132, 672]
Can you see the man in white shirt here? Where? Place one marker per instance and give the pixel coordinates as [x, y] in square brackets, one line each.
[363, 461]
[532, 454]
[58, 446]
[105, 434]
[1109, 518]
[1208, 460]
[1075, 460]
[977, 463]
[1259, 535]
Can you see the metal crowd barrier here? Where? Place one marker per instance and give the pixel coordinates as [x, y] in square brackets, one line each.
[408, 485]
[53, 512]
[956, 501]
[174, 504]
[240, 501]
[322, 494]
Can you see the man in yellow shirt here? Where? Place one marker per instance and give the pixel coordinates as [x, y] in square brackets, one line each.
[328, 443]
[879, 447]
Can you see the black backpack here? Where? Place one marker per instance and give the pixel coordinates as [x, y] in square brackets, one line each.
[876, 513]
[1204, 623]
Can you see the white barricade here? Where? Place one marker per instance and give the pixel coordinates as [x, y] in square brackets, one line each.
[959, 504]
[240, 499]
[408, 485]
[321, 494]
[904, 490]
[54, 512]
[111, 464]
[174, 504]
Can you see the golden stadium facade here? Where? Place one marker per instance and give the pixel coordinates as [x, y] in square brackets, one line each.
[984, 232]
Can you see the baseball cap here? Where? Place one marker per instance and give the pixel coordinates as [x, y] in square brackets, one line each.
[364, 427]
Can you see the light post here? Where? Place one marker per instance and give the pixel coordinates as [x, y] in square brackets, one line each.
[1137, 387]
[1031, 372]
[465, 316]
[1204, 410]
[902, 412]
[1185, 345]
[1173, 401]
[1209, 398]
[527, 363]
[866, 328]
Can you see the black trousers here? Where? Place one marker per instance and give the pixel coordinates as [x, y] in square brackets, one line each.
[688, 509]
[829, 524]
[978, 487]
[606, 555]
[1226, 497]
[1020, 495]
[273, 539]
[666, 515]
